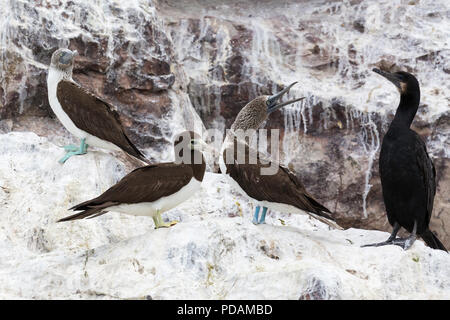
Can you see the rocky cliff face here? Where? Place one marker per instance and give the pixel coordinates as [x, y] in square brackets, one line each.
[169, 65]
[125, 57]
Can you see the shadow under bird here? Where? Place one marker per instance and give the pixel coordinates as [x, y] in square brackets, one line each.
[282, 191]
[408, 176]
[84, 115]
[153, 189]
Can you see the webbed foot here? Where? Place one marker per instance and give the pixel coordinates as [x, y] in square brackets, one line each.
[405, 243]
[73, 150]
[159, 223]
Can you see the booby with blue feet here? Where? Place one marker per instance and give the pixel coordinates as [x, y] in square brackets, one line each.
[84, 115]
[282, 191]
[153, 189]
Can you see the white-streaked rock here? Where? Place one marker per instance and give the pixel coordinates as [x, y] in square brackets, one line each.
[215, 252]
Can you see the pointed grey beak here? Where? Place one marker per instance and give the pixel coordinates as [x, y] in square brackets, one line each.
[272, 100]
[390, 76]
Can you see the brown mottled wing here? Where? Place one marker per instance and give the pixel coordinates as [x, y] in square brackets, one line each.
[145, 184]
[428, 173]
[282, 187]
[95, 116]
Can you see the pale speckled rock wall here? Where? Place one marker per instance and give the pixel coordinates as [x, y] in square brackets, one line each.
[158, 61]
[234, 51]
[125, 58]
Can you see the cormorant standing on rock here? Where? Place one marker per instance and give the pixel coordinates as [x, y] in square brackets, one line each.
[408, 177]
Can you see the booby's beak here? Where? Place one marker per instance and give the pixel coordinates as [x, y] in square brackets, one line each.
[68, 56]
[272, 100]
[391, 77]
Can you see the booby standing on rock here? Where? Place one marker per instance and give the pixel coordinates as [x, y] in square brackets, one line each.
[408, 177]
[153, 189]
[282, 191]
[84, 115]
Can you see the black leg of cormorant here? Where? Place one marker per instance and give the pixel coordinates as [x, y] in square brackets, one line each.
[406, 243]
[390, 240]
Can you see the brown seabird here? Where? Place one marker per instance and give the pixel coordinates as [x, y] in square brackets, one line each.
[282, 191]
[83, 114]
[153, 189]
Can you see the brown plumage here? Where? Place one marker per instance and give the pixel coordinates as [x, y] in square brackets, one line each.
[282, 187]
[278, 190]
[94, 116]
[146, 184]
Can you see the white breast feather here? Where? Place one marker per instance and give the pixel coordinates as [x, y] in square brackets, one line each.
[163, 204]
[54, 77]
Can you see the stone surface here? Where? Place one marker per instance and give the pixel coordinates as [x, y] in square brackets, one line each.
[214, 252]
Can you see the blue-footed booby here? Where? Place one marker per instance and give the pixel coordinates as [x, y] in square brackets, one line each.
[83, 114]
[282, 191]
[408, 176]
[153, 189]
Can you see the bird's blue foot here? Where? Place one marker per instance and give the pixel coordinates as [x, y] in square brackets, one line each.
[256, 219]
[263, 216]
[256, 215]
[73, 150]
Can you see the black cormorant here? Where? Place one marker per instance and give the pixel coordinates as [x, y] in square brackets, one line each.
[408, 177]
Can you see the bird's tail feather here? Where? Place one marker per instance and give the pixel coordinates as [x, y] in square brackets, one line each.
[81, 215]
[319, 209]
[96, 215]
[328, 222]
[432, 241]
[90, 211]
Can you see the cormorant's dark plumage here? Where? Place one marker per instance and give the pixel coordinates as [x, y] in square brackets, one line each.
[408, 177]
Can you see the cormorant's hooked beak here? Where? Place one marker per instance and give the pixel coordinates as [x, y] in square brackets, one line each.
[67, 57]
[391, 77]
[272, 100]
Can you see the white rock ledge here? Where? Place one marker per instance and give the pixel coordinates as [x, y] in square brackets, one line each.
[215, 252]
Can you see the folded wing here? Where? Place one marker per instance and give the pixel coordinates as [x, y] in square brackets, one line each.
[95, 116]
[145, 184]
